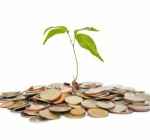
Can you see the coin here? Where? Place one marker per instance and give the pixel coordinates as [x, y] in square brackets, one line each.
[36, 107]
[82, 95]
[118, 108]
[57, 85]
[29, 94]
[17, 104]
[60, 99]
[66, 90]
[47, 114]
[127, 111]
[10, 94]
[105, 104]
[95, 91]
[36, 98]
[6, 104]
[21, 107]
[37, 119]
[73, 99]
[38, 88]
[60, 108]
[97, 113]
[69, 115]
[78, 111]
[134, 99]
[19, 97]
[50, 94]
[48, 102]
[74, 106]
[30, 112]
[90, 85]
[89, 104]
[143, 95]
[1, 97]
[139, 108]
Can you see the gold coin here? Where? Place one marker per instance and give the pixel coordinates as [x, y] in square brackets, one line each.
[73, 100]
[50, 94]
[48, 114]
[69, 115]
[97, 113]
[74, 106]
[89, 104]
[78, 112]
[105, 104]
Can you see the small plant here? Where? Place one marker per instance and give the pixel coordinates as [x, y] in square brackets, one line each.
[84, 40]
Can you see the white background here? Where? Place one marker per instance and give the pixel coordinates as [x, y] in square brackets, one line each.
[123, 41]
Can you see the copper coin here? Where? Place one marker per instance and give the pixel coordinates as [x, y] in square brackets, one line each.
[88, 104]
[97, 113]
[30, 112]
[134, 99]
[66, 90]
[17, 104]
[139, 108]
[6, 104]
[60, 99]
[38, 88]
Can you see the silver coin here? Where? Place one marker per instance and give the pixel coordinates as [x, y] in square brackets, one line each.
[105, 104]
[118, 108]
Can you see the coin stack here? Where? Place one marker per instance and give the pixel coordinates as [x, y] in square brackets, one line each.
[49, 102]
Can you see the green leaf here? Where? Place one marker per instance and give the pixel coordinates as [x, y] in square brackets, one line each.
[53, 32]
[87, 42]
[86, 28]
[54, 27]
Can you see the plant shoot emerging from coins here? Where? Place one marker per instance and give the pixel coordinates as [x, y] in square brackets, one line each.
[84, 40]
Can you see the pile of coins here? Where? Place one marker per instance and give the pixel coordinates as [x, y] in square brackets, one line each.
[39, 103]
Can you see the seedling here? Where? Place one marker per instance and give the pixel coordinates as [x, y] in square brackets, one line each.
[84, 40]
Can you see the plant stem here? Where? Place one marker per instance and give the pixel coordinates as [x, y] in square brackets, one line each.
[72, 43]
